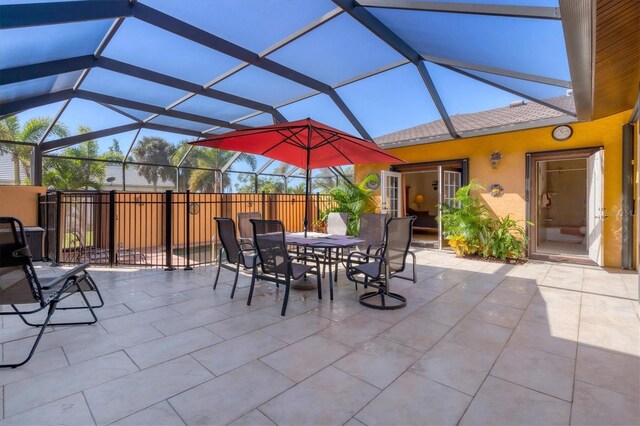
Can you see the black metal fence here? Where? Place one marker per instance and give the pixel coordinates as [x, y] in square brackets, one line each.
[170, 229]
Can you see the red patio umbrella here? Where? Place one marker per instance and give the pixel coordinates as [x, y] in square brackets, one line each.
[306, 144]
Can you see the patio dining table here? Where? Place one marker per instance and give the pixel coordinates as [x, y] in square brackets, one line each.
[326, 242]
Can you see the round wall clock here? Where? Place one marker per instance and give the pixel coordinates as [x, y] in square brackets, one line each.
[562, 133]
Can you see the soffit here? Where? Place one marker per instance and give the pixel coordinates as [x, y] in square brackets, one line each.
[617, 56]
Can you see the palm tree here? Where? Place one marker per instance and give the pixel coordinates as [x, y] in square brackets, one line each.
[207, 158]
[324, 182]
[157, 153]
[114, 153]
[275, 184]
[72, 174]
[354, 199]
[31, 131]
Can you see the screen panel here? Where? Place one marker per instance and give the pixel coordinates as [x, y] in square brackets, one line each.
[39, 86]
[393, 100]
[33, 45]
[150, 47]
[534, 46]
[253, 24]
[341, 41]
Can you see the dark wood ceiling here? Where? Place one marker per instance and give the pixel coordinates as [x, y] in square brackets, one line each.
[617, 56]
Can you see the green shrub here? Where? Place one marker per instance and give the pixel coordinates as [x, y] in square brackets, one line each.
[354, 199]
[507, 239]
[471, 230]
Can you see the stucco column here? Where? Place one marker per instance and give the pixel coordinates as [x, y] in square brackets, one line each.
[36, 165]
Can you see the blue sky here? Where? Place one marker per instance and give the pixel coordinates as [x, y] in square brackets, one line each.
[335, 52]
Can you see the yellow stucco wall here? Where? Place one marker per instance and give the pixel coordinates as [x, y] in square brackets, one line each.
[510, 173]
[21, 202]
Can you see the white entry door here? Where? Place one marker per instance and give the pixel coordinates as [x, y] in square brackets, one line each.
[391, 193]
[595, 205]
[450, 183]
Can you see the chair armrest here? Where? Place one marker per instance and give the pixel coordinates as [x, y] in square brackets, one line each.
[251, 251]
[309, 256]
[377, 246]
[65, 276]
[364, 258]
[245, 242]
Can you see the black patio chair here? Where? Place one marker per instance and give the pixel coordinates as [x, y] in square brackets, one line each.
[276, 264]
[245, 229]
[337, 224]
[377, 270]
[371, 230]
[234, 252]
[20, 285]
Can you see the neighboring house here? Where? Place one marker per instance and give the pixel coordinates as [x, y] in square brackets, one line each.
[563, 176]
[6, 170]
[133, 181]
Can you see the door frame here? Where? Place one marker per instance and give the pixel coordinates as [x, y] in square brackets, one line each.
[384, 193]
[531, 158]
[440, 167]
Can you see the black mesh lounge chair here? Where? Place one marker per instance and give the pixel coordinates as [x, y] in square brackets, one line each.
[376, 270]
[276, 264]
[235, 254]
[80, 252]
[244, 226]
[21, 289]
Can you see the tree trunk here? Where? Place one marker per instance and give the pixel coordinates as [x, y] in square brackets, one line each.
[16, 168]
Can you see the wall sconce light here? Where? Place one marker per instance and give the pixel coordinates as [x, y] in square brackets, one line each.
[434, 184]
[496, 190]
[419, 200]
[495, 159]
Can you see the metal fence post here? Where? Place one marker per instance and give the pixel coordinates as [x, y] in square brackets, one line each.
[317, 207]
[44, 217]
[58, 227]
[263, 205]
[188, 231]
[168, 228]
[112, 227]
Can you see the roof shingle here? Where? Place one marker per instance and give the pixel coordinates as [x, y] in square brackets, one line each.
[483, 120]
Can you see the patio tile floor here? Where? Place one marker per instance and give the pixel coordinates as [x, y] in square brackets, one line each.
[478, 343]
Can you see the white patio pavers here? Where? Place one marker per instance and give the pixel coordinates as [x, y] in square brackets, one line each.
[478, 343]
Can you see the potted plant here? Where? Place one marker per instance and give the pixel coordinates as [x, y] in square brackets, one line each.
[354, 199]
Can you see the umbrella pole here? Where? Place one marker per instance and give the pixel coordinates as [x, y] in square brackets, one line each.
[306, 202]
[306, 185]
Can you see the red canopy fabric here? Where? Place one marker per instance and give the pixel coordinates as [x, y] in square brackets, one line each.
[307, 144]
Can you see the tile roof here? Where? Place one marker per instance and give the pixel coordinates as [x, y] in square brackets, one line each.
[499, 119]
[133, 179]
